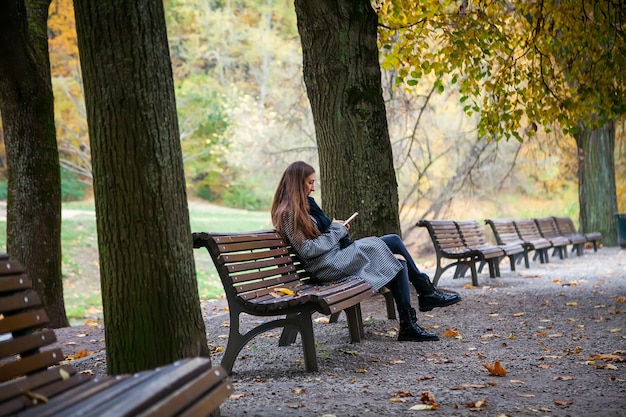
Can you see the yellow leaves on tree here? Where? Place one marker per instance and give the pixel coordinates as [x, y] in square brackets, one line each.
[62, 39]
[496, 369]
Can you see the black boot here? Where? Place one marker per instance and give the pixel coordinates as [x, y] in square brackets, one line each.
[437, 299]
[410, 330]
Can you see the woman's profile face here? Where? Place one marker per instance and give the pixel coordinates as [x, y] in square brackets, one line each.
[309, 184]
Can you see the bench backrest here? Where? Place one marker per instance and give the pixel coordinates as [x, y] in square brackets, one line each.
[504, 231]
[22, 319]
[547, 227]
[527, 229]
[565, 225]
[471, 233]
[253, 265]
[445, 235]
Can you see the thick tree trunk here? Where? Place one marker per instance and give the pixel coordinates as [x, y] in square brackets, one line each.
[596, 181]
[34, 187]
[150, 296]
[342, 76]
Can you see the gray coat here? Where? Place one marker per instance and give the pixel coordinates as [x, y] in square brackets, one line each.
[368, 259]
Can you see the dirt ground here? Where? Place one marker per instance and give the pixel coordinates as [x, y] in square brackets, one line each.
[558, 330]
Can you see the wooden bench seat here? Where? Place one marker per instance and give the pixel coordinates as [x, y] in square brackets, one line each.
[32, 383]
[261, 276]
[451, 250]
[566, 227]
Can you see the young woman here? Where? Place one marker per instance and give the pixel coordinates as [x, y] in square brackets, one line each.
[330, 256]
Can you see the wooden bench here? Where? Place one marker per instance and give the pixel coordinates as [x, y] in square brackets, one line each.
[550, 230]
[547, 230]
[474, 238]
[32, 383]
[566, 227]
[505, 234]
[527, 231]
[449, 245]
[262, 277]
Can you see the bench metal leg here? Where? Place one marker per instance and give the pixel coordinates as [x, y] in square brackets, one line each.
[355, 323]
[292, 324]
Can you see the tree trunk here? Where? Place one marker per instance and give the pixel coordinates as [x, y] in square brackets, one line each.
[34, 186]
[343, 80]
[150, 296]
[596, 181]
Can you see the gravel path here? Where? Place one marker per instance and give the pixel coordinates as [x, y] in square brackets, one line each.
[559, 331]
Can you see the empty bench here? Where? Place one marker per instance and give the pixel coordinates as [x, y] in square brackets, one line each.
[261, 276]
[450, 249]
[33, 383]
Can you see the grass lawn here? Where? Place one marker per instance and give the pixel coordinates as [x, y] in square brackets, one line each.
[80, 264]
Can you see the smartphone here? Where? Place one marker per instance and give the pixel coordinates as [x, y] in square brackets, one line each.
[349, 219]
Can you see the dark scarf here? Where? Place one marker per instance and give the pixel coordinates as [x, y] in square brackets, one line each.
[323, 222]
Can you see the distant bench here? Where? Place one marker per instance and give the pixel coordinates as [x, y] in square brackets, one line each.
[262, 276]
[31, 384]
[464, 244]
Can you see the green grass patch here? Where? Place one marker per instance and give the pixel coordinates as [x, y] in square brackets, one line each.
[80, 263]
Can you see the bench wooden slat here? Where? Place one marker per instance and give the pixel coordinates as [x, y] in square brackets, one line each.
[33, 382]
[22, 321]
[282, 258]
[208, 403]
[73, 401]
[19, 301]
[9, 266]
[248, 256]
[252, 290]
[16, 282]
[26, 343]
[177, 403]
[262, 274]
[30, 364]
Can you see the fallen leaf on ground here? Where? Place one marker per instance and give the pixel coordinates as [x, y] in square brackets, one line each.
[516, 381]
[467, 386]
[496, 369]
[476, 404]
[451, 333]
[520, 314]
[322, 320]
[607, 366]
[428, 398]
[620, 299]
[298, 390]
[616, 330]
[420, 407]
[572, 304]
[564, 403]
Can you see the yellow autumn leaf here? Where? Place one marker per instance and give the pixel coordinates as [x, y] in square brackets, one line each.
[285, 291]
[420, 407]
[620, 299]
[572, 304]
[64, 374]
[468, 287]
[617, 330]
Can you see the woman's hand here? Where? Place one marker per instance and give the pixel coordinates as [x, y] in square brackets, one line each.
[343, 223]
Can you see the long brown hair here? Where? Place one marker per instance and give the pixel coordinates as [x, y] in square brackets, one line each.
[291, 196]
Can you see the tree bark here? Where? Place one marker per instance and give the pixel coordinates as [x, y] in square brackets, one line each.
[596, 181]
[150, 296]
[34, 183]
[343, 81]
